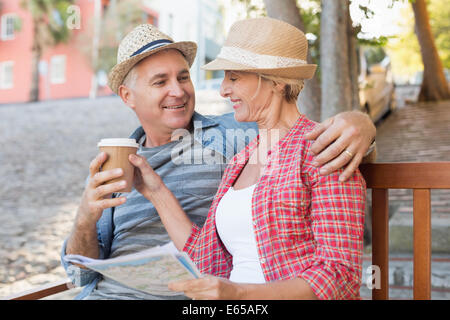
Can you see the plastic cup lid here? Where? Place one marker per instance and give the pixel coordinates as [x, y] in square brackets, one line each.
[118, 142]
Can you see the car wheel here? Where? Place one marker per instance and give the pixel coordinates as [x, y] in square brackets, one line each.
[393, 102]
[367, 108]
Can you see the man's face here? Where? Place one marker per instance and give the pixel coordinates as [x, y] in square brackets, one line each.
[163, 95]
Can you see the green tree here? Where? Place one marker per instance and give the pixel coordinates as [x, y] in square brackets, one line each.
[439, 12]
[49, 29]
[307, 16]
[404, 49]
[118, 19]
[434, 85]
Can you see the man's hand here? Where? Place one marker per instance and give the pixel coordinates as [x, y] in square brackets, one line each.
[95, 198]
[341, 141]
[96, 195]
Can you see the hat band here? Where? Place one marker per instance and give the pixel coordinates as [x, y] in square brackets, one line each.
[255, 60]
[152, 45]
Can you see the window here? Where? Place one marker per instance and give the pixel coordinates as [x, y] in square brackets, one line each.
[58, 69]
[6, 74]
[7, 26]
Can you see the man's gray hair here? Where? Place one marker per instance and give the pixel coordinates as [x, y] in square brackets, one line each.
[130, 78]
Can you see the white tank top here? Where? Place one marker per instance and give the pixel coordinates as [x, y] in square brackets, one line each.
[235, 228]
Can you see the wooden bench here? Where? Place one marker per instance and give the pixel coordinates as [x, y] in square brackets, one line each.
[43, 291]
[380, 177]
[421, 178]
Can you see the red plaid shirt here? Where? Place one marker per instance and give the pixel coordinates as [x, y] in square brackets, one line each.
[306, 225]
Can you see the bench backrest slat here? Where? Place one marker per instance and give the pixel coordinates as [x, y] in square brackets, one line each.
[421, 177]
[407, 175]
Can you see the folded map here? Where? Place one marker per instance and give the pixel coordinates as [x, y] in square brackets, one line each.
[149, 271]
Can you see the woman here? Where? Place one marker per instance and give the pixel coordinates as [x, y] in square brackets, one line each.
[276, 228]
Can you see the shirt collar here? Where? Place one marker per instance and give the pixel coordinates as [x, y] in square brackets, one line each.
[202, 122]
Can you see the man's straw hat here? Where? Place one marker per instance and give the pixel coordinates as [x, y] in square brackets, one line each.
[266, 46]
[141, 42]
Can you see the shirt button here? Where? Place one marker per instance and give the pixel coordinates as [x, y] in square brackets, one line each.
[263, 260]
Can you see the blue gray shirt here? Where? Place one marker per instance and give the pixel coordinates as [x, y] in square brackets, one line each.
[192, 168]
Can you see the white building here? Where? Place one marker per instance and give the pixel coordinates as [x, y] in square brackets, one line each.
[200, 21]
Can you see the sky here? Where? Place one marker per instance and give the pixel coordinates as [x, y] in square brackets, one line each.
[383, 23]
[385, 19]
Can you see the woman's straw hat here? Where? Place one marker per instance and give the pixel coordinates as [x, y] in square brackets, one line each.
[267, 46]
[141, 42]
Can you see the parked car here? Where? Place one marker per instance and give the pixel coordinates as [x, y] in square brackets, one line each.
[376, 88]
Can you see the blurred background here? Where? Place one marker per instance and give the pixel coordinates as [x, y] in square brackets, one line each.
[388, 58]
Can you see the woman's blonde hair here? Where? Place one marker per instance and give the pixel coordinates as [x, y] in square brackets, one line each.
[291, 90]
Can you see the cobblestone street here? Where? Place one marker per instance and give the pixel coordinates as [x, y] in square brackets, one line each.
[45, 156]
[44, 159]
[47, 147]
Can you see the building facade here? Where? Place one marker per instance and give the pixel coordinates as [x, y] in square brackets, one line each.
[65, 70]
[200, 21]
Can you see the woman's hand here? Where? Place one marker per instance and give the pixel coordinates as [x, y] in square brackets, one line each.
[146, 181]
[209, 288]
[342, 141]
[152, 187]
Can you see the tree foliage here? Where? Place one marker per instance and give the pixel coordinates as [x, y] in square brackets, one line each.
[310, 12]
[434, 86]
[404, 49]
[439, 11]
[50, 15]
[49, 28]
[117, 22]
[118, 19]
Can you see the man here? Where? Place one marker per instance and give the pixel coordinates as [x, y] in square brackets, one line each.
[189, 151]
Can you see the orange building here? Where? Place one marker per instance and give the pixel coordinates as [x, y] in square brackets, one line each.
[64, 70]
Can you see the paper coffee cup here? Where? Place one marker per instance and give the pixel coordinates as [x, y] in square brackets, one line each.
[118, 151]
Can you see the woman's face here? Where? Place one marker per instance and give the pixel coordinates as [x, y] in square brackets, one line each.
[250, 98]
